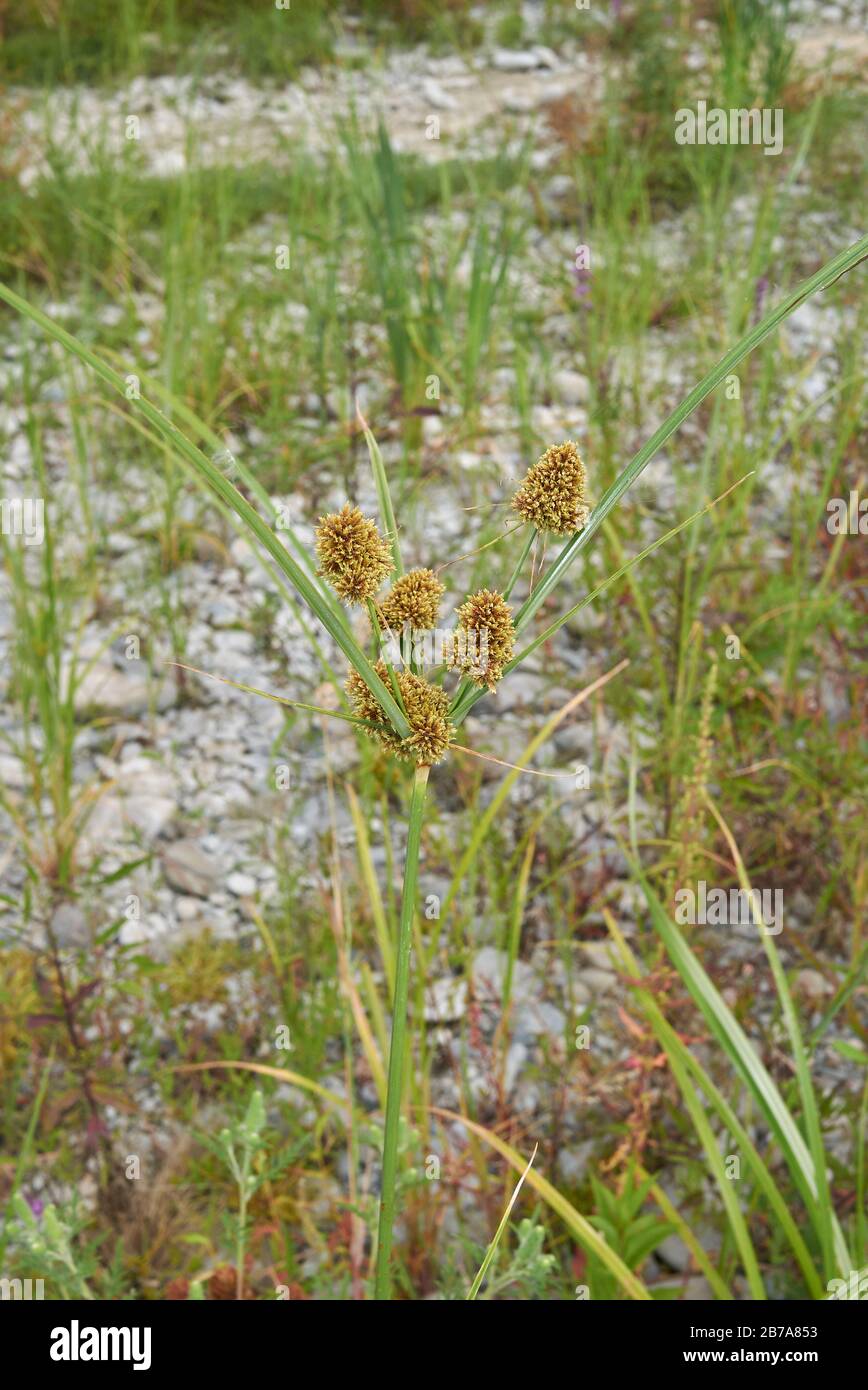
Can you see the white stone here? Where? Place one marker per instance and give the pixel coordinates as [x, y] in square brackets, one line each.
[572, 388]
[445, 1000]
[242, 885]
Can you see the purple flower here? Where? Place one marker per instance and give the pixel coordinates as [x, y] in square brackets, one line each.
[36, 1205]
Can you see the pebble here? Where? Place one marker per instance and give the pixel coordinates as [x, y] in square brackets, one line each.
[188, 868]
[69, 926]
[572, 1164]
[445, 1000]
[105, 690]
[516, 1059]
[539, 1019]
[13, 773]
[571, 387]
[435, 96]
[812, 984]
[242, 885]
[523, 60]
[489, 975]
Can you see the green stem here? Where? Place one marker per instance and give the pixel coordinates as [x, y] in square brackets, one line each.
[207, 472]
[378, 638]
[383, 1281]
[239, 1248]
[825, 277]
[532, 533]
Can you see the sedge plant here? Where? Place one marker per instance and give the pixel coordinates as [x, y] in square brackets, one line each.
[401, 699]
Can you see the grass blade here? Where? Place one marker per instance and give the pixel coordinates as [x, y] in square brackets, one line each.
[466, 700]
[489, 1254]
[206, 471]
[485, 821]
[715, 1161]
[549, 632]
[292, 1078]
[744, 1058]
[372, 889]
[384, 496]
[589, 1238]
[671, 1042]
[24, 1152]
[824, 277]
[674, 1215]
[834, 1247]
[383, 1281]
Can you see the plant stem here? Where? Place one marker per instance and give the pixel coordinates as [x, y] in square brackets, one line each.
[824, 278]
[531, 537]
[208, 472]
[378, 639]
[239, 1245]
[383, 1280]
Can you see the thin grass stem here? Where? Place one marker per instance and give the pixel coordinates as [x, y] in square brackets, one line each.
[397, 1050]
[525, 551]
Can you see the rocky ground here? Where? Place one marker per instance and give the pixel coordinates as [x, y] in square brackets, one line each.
[433, 106]
[183, 768]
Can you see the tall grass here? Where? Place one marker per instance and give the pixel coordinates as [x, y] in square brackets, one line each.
[311, 592]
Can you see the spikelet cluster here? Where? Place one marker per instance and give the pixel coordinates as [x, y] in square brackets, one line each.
[356, 560]
[352, 554]
[426, 706]
[552, 495]
[413, 601]
[485, 639]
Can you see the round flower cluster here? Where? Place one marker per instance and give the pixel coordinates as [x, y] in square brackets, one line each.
[552, 496]
[427, 710]
[356, 560]
[485, 639]
[413, 601]
[353, 555]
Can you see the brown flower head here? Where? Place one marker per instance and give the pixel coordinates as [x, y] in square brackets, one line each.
[223, 1284]
[552, 495]
[485, 638]
[413, 600]
[427, 708]
[353, 555]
